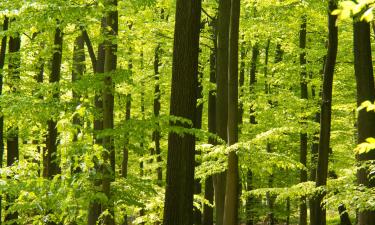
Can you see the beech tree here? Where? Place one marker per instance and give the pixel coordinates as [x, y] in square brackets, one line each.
[178, 207]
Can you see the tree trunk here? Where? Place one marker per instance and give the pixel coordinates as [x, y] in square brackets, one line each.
[53, 167]
[209, 189]
[2, 62]
[110, 63]
[253, 70]
[232, 185]
[325, 119]
[14, 64]
[365, 91]
[241, 81]
[178, 208]
[303, 135]
[249, 176]
[344, 216]
[94, 210]
[222, 98]
[77, 73]
[156, 134]
[198, 125]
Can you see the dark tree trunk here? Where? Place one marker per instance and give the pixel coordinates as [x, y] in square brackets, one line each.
[2, 62]
[53, 167]
[198, 125]
[249, 175]
[178, 208]
[222, 98]
[94, 210]
[232, 185]
[325, 119]
[156, 134]
[14, 64]
[241, 81]
[303, 135]
[110, 63]
[209, 189]
[315, 149]
[344, 216]
[77, 73]
[253, 70]
[365, 92]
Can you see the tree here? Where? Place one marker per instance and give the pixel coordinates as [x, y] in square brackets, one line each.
[365, 91]
[326, 107]
[223, 23]
[178, 206]
[2, 62]
[303, 136]
[110, 63]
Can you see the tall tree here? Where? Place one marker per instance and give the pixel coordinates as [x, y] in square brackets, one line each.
[222, 98]
[52, 159]
[14, 63]
[178, 207]
[208, 187]
[365, 91]
[2, 62]
[156, 135]
[303, 135]
[110, 64]
[232, 184]
[249, 175]
[98, 68]
[325, 118]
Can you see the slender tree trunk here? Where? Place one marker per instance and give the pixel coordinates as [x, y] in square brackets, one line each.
[125, 150]
[94, 210]
[315, 149]
[222, 98]
[232, 185]
[77, 73]
[241, 81]
[110, 63]
[53, 167]
[366, 120]
[2, 62]
[253, 70]
[303, 135]
[198, 125]
[250, 186]
[14, 64]
[325, 119]
[178, 208]
[208, 188]
[156, 134]
[344, 216]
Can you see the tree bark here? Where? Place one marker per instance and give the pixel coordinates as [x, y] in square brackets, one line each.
[14, 63]
[303, 135]
[2, 62]
[365, 91]
[156, 135]
[249, 175]
[232, 185]
[325, 119]
[53, 167]
[110, 63]
[222, 98]
[209, 189]
[94, 210]
[178, 208]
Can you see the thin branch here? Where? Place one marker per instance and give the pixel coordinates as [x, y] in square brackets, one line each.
[208, 15]
[87, 40]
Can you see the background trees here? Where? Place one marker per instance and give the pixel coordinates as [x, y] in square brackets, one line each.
[99, 111]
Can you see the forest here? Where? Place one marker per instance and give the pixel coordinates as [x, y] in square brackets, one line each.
[187, 112]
